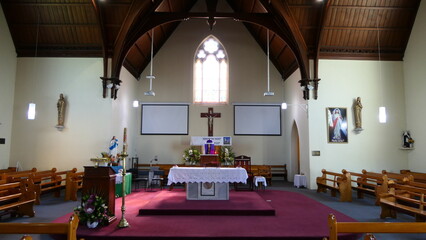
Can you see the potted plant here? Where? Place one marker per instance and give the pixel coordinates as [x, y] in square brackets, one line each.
[92, 211]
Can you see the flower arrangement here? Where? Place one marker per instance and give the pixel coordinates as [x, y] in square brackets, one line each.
[191, 155]
[92, 210]
[226, 155]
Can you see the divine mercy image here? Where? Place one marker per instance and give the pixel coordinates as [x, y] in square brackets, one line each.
[337, 125]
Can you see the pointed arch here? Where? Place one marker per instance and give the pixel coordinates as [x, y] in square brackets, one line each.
[295, 149]
[211, 72]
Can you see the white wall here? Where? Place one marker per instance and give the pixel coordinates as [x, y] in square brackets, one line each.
[37, 143]
[90, 120]
[415, 88]
[7, 82]
[296, 114]
[173, 83]
[378, 146]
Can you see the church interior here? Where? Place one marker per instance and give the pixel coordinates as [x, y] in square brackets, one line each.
[112, 63]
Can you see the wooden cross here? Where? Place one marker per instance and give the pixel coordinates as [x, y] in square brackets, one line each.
[210, 115]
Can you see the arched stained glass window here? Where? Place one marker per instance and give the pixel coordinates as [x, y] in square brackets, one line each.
[211, 72]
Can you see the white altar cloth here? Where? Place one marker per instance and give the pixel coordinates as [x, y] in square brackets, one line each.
[206, 174]
[207, 183]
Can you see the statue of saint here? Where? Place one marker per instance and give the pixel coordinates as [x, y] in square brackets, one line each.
[61, 110]
[358, 108]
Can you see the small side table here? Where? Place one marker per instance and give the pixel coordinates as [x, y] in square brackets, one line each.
[299, 180]
[260, 180]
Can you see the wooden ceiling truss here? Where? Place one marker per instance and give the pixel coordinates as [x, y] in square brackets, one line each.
[300, 30]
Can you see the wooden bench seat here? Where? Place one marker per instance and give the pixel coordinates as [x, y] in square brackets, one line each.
[49, 181]
[336, 182]
[16, 176]
[69, 229]
[369, 183]
[73, 183]
[18, 198]
[8, 170]
[264, 171]
[403, 198]
[417, 176]
[371, 227]
[279, 171]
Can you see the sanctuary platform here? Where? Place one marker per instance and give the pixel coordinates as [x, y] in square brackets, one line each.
[239, 204]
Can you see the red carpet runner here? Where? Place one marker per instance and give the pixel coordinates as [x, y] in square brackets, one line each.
[296, 217]
[239, 204]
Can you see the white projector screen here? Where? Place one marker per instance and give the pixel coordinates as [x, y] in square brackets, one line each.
[257, 120]
[164, 119]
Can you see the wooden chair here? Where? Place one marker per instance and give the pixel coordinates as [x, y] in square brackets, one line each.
[140, 176]
[244, 162]
[157, 177]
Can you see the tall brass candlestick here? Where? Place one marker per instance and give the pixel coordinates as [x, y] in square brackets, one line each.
[123, 222]
[125, 141]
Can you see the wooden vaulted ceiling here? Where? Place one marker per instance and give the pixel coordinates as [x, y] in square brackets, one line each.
[299, 29]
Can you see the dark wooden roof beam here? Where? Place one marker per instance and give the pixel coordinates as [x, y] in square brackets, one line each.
[367, 28]
[54, 25]
[373, 8]
[49, 4]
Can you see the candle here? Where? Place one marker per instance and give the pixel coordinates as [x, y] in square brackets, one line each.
[125, 140]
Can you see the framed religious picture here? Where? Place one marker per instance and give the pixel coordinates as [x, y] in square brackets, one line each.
[337, 125]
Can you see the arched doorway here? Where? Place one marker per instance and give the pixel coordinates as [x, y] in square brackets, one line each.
[295, 150]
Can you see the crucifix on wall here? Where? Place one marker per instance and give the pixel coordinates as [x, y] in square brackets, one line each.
[210, 115]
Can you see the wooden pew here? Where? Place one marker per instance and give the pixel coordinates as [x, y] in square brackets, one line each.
[279, 171]
[371, 227]
[403, 198]
[414, 184]
[264, 171]
[418, 176]
[17, 175]
[398, 177]
[8, 170]
[48, 181]
[73, 183]
[368, 182]
[336, 182]
[69, 229]
[19, 197]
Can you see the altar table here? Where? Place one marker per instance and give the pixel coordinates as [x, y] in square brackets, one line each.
[207, 183]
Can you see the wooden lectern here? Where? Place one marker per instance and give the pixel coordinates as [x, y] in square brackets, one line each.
[101, 181]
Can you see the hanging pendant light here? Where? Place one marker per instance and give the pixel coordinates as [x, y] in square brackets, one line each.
[268, 93]
[150, 76]
[382, 109]
[31, 113]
